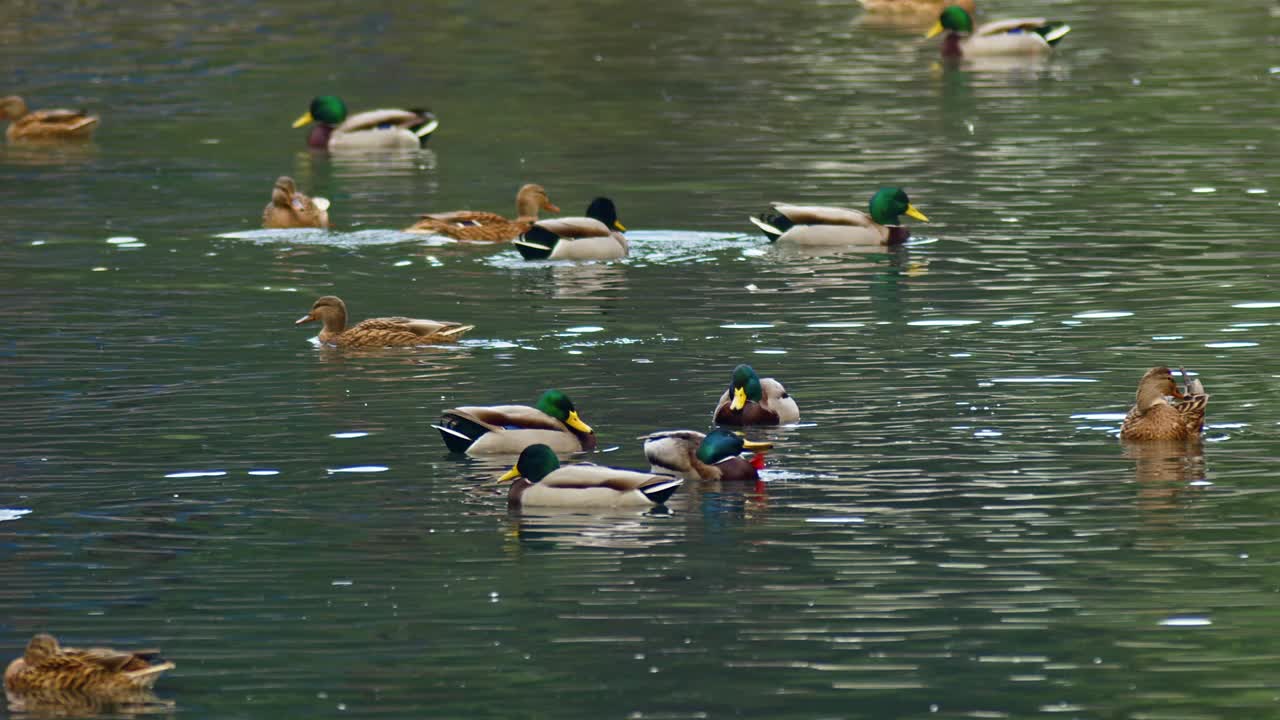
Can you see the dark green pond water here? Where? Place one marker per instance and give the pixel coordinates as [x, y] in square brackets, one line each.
[953, 530]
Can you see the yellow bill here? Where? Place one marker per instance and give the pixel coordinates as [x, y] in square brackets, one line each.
[508, 476]
[913, 212]
[935, 30]
[303, 119]
[576, 423]
[619, 226]
[739, 399]
[756, 446]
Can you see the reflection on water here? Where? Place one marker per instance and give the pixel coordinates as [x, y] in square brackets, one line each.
[183, 469]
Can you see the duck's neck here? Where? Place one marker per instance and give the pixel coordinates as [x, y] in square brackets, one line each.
[335, 321]
[319, 137]
[951, 45]
[527, 208]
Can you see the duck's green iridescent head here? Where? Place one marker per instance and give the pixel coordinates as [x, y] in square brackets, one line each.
[955, 19]
[744, 386]
[890, 202]
[327, 109]
[559, 406]
[536, 462]
[720, 444]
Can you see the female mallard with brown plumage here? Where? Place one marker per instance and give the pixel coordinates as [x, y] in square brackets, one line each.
[290, 208]
[1003, 38]
[369, 130]
[1153, 417]
[598, 236]
[377, 332]
[752, 400]
[46, 666]
[541, 481]
[508, 429]
[692, 455]
[824, 225]
[27, 124]
[487, 226]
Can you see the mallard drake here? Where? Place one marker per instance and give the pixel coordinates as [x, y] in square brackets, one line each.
[508, 429]
[821, 225]
[751, 400]
[540, 481]
[914, 7]
[1022, 36]
[372, 129]
[597, 236]
[27, 124]
[291, 209]
[46, 666]
[487, 226]
[696, 456]
[377, 332]
[1153, 417]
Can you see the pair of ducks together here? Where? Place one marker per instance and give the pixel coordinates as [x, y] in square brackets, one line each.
[553, 426]
[596, 236]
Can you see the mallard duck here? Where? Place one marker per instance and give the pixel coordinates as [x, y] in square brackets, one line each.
[597, 236]
[45, 666]
[371, 129]
[291, 209]
[820, 225]
[1022, 36]
[695, 456]
[751, 400]
[377, 332]
[27, 124]
[540, 481]
[508, 429]
[1153, 417]
[914, 7]
[487, 226]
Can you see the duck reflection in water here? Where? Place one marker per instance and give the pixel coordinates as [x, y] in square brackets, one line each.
[1166, 471]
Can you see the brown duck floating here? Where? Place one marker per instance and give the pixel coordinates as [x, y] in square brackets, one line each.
[1153, 417]
[27, 124]
[289, 208]
[751, 400]
[46, 668]
[487, 226]
[377, 332]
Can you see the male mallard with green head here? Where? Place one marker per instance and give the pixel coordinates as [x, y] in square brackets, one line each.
[508, 429]
[1153, 417]
[598, 236]
[370, 130]
[1022, 36]
[541, 481]
[331, 312]
[752, 400]
[823, 225]
[716, 455]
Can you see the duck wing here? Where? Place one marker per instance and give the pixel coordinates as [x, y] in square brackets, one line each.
[823, 215]
[511, 417]
[574, 227]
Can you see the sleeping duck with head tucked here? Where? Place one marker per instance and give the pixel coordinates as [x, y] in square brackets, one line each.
[44, 125]
[290, 208]
[48, 667]
[486, 226]
[331, 312]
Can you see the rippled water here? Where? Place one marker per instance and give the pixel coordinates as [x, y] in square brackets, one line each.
[952, 531]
